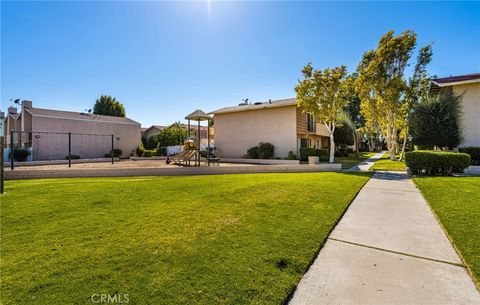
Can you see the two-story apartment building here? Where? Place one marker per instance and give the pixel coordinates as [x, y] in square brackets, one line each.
[279, 122]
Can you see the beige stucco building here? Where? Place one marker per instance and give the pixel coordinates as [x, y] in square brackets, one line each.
[279, 122]
[46, 132]
[469, 86]
[152, 131]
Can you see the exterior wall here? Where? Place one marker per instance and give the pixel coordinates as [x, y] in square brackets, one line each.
[316, 139]
[55, 146]
[11, 123]
[470, 112]
[238, 131]
[150, 132]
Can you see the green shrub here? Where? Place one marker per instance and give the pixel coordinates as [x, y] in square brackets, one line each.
[306, 152]
[20, 154]
[341, 152]
[161, 151]
[147, 153]
[266, 150]
[424, 147]
[432, 163]
[436, 121]
[73, 157]
[151, 142]
[116, 153]
[140, 150]
[252, 153]
[474, 152]
[291, 156]
[261, 151]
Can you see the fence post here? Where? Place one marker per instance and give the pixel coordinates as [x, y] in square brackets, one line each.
[112, 149]
[1, 163]
[11, 149]
[69, 149]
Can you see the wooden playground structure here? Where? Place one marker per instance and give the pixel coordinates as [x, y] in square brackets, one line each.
[192, 148]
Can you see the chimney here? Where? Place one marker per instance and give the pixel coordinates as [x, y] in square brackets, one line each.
[27, 104]
[12, 110]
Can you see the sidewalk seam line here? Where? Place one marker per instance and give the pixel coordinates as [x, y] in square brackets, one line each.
[400, 253]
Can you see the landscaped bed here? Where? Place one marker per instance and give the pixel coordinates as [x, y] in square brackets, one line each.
[385, 164]
[232, 239]
[456, 202]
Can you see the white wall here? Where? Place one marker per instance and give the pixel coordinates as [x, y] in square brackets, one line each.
[55, 146]
[238, 131]
[470, 122]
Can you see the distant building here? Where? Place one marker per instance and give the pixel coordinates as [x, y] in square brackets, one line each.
[155, 129]
[152, 131]
[469, 86]
[280, 123]
[46, 132]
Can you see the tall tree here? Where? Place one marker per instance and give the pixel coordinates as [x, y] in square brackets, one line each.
[381, 82]
[352, 109]
[324, 94]
[417, 91]
[107, 105]
[175, 134]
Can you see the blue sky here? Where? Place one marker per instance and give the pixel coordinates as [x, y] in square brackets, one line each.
[163, 60]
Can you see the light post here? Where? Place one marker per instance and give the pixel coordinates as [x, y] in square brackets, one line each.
[37, 137]
[410, 139]
[18, 102]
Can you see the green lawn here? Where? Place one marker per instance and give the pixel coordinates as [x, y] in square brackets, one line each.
[385, 164]
[456, 201]
[231, 239]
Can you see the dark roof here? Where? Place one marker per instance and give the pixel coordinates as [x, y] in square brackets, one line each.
[257, 106]
[467, 78]
[78, 115]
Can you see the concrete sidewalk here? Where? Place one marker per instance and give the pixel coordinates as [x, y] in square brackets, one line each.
[365, 165]
[387, 249]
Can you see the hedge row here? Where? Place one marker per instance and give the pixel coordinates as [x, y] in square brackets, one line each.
[432, 163]
[306, 152]
[142, 152]
[474, 152]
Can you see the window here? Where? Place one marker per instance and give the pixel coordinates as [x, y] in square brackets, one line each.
[310, 123]
[303, 142]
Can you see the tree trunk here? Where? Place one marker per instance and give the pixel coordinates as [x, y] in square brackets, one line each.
[370, 144]
[391, 139]
[355, 144]
[332, 148]
[402, 153]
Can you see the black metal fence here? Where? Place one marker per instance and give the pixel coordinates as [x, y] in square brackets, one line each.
[50, 145]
